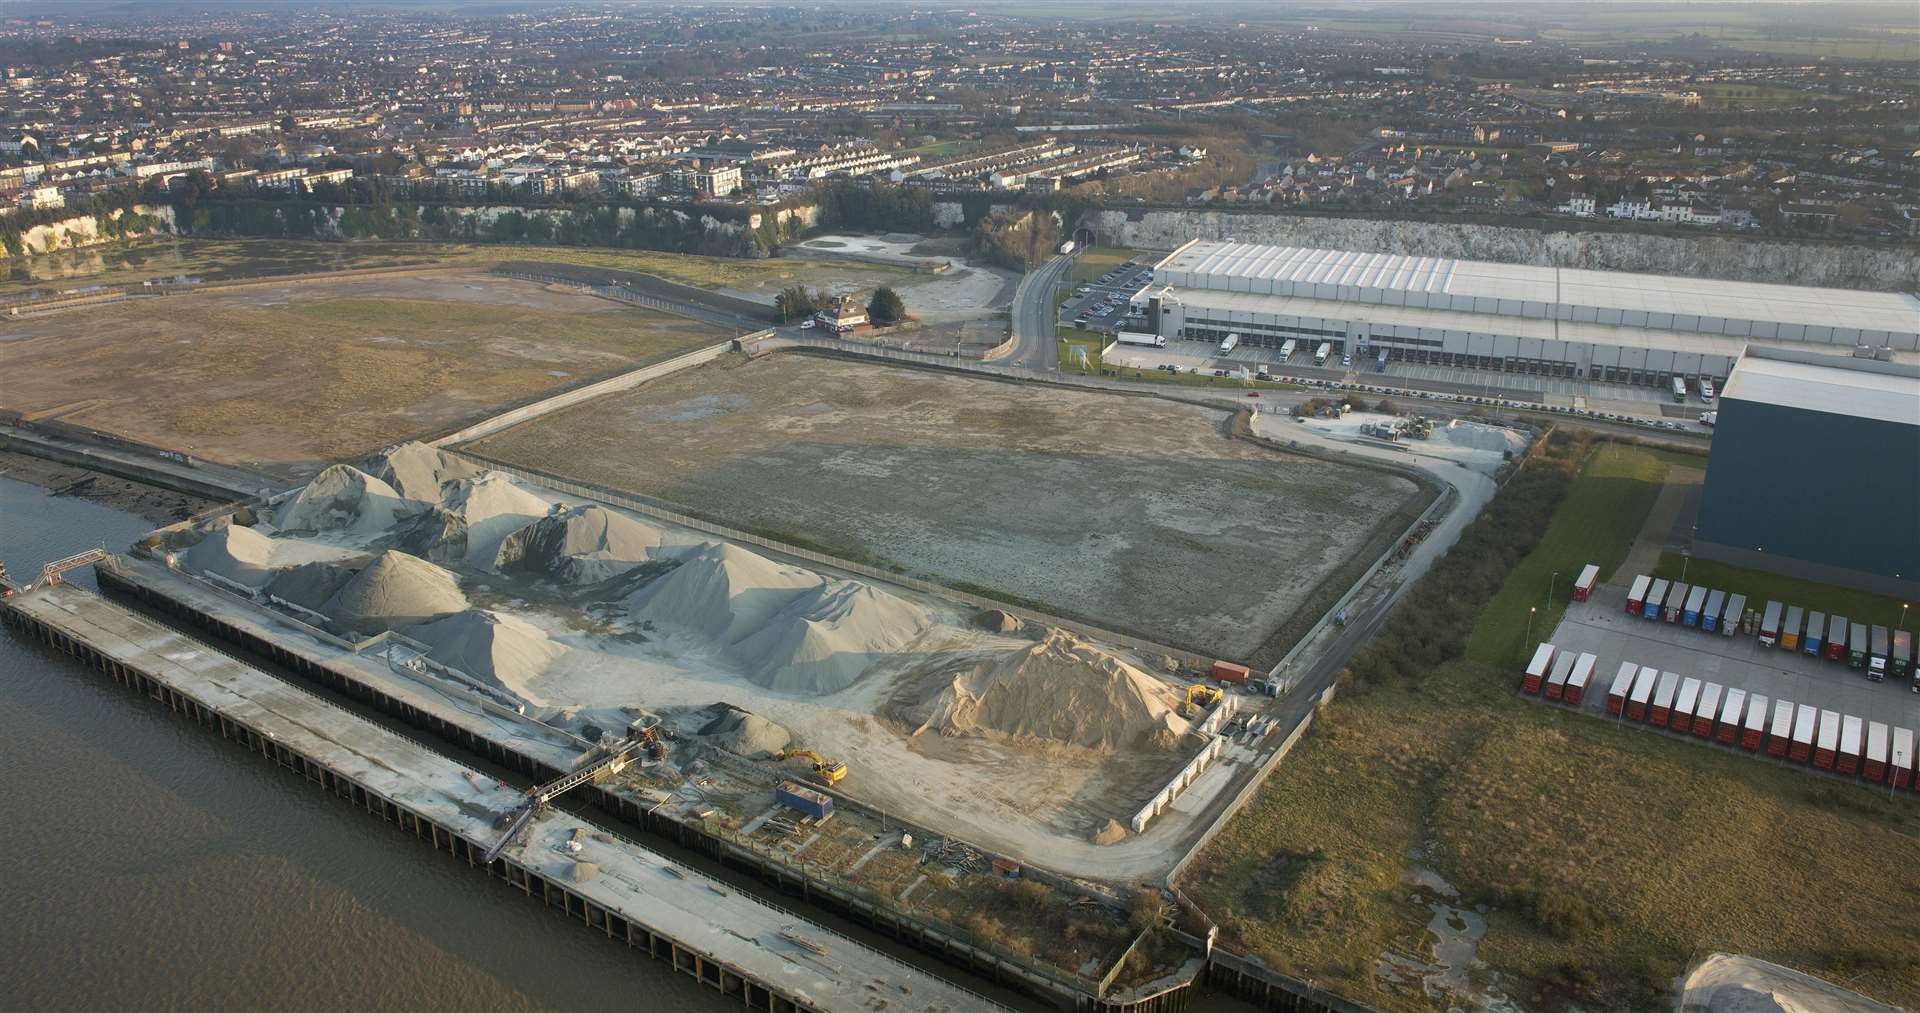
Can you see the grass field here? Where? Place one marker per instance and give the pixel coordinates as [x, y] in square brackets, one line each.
[1607, 858]
[1761, 587]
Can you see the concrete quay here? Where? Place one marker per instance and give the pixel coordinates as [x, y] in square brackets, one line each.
[768, 958]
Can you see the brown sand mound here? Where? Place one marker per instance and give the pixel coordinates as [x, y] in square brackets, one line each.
[721, 592]
[417, 471]
[234, 552]
[491, 507]
[1061, 688]
[745, 733]
[344, 498]
[584, 545]
[501, 649]
[1112, 833]
[824, 640]
[310, 585]
[396, 590]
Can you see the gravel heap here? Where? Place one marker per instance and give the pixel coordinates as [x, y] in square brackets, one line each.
[416, 470]
[501, 649]
[396, 590]
[489, 507]
[721, 592]
[234, 552]
[583, 545]
[310, 585]
[745, 733]
[824, 640]
[344, 498]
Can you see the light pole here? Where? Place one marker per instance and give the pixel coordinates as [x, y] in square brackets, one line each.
[1686, 556]
[1529, 638]
[1903, 614]
[1550, 580]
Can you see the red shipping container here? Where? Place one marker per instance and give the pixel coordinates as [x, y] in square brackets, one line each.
[1663, 700]
[1642, 692]
[1709, 709]
[1730, 714]
[1227, 671]
[1900, 761]
[1846, 760]
[1536, 672]
[1622, 685]
[1584, 584]
[1873, 763]
[1804, 718]
[1827, 744]
[1753, 731]
[1562, 671]
[1577, 682]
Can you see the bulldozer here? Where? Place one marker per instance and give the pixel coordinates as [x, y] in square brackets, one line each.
[1205, 695]
[830, 771]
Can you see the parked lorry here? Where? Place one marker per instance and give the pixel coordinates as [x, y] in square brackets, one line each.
[1621, 688]
[1642, 697]
[1287, 348]
[1536, 672]
[1847, 759]
[1663, 696]
[1826, 745]
[1582, 675]
[1879, 646]
[1835, 647]
[1770, 624]
[1731, 711]
[1140, 338]
[1320, 354]
[1679, 390]
[1804, 718]
[1753, 730]
[1735, 614]
[1791, 626]
[1229, 343]
[1708, 711]
[1873, 763]
[1815, 637]
[1583, 585]
[1637, 594]
[1696, 601]
[1710, 613]
[1562, 670]
[1680, 715]
[1902, 661]
[1900, 758]
[1676, 603]
[1780, 735]
[1857, 646]
[1656, 597]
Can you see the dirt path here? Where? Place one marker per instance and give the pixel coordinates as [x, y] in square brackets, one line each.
[1656, 535]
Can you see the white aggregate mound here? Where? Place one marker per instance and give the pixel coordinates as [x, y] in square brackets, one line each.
[508, 651]
[344, 498]
[417, 471]
[234, 552]
[584, 545]
[1061, 688]
[745, 733]
[721, 592]
[310, 585]
[824, 640]
[492, 506]
[396, 590]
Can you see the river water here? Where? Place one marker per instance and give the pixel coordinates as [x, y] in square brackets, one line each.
[153, 865]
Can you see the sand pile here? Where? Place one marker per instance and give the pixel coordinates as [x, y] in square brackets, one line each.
[344, 498]
[310, 585]
[584, 545]
[1111, 833]
[489, 507]
[234, 552]
[501, 649]
[396, 590]
[416, 470]
[823, 640]
[435, 535]
[745, 733]
[1061, 688]
[721, 592]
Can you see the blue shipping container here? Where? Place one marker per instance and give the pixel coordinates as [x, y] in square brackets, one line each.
[813, 803]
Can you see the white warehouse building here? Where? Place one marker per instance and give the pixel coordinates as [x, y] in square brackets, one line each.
[1596, 325]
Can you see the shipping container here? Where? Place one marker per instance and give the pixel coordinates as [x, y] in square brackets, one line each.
[1582, 675]
[1873, 764]
[1227, 671]
[1637, 595]
[1902, 654]
[1847, 760]
[1900, 759]
[1753, 731]
[1656, 597]
[1710, 616]
[1676, 603]
[1709, 709]
[1663, 699]
[1537, 669]
[1827, 745]
[1562, 668]
[1642, 697]
[1791, 626]
[1815, 637]
[794, 795]
[1622, 685]
[1857, 645]
[1736, 611]
[1770, 624]
[1680, 718]
[1584, 584]
[1877, 650]
[1696, 600]
[1728, 730]
[1836, 644]
[1805, 717]
[1780, 734]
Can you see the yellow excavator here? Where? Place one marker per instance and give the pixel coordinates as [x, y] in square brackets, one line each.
[829, 770]
[1205, 695]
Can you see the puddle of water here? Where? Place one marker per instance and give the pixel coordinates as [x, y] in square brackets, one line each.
[1447, 976]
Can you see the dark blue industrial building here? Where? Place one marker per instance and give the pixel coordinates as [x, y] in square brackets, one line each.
[1815, 471]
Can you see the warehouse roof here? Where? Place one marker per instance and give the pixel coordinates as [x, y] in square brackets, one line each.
[1653, 293]
[1830, 384]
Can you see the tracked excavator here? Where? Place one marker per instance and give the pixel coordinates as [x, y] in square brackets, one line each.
[1205, 696]
[830, 771]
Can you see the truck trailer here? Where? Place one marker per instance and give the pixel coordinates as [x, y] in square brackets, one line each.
[1229, 343]
[1562, 670]
[1287, 348]
[1847, 760]
[1581, 677]
[1780, 733]
[1140, 338]
[1835, 647]
[1679, 390]
[1676, 603]
[1656, 598]
[1805, 717]
[1537, 669]
[1816, 635]
[1708, 712]
[1902, 661]
[1736, 612]
[1727, 732]
[1900, 758]
[1879, 646]
[1637, 594]
[1583, 585]
[1753, 730]
[1770, 624]
[1622, 686]
[1680, 717]
[1857, 645]
[1696, 602]
[1791, 626]
[1642, 698]
[1873, 763]
[1663, 700]
[1826, 744]
[1320, 354]
[1710, 615]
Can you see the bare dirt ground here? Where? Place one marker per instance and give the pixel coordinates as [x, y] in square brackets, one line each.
[161, 506]
[1136, 514]
[289, 376]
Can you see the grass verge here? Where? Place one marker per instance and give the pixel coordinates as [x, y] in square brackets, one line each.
[1607, 858]
[1760, 587]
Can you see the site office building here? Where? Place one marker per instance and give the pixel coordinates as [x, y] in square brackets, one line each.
[1607, 326]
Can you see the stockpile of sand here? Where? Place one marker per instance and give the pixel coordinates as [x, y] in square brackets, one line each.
[310, 585]
[721, 592]
[745, 733]
[489, 507]
[435, 535]
[396, 590]
[1061, 688]
[344, 498]
[584, 545]
[824, 640]
[416, 470]
[489, 646]
[234, 552]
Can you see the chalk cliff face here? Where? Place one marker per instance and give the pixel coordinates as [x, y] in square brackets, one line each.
[1706, 256]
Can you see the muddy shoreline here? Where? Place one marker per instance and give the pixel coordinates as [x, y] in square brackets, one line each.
[161, 506]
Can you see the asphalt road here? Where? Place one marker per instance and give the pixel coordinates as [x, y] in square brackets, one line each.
[1033, 338]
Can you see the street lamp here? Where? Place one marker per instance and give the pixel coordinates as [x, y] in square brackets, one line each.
[1686, 556]
[1529, 638]
[1550, 580]
[1903, 614]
